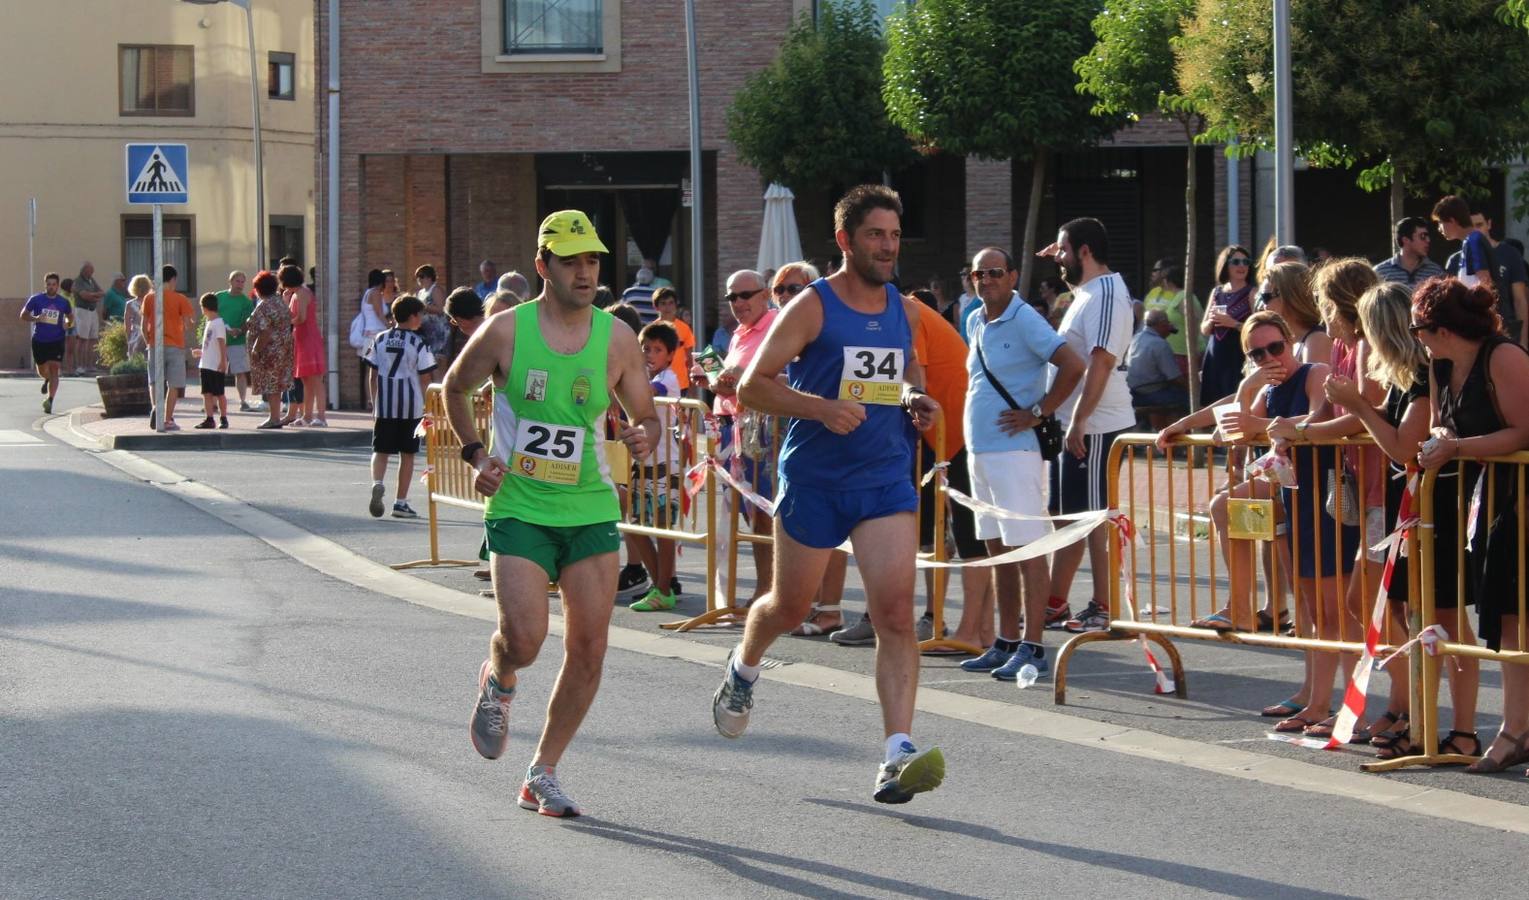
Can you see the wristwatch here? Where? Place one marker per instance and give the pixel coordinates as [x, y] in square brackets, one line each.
[1300, 429]
[1037, 411]
[471, 450]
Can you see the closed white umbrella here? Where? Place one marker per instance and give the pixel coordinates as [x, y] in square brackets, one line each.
[779, 242]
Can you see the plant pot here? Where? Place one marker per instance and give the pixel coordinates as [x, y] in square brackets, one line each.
[124, 395]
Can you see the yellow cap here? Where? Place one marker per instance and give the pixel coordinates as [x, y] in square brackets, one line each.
[569, 233]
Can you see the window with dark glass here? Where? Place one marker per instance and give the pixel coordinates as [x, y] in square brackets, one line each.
[155, 81]
[138, 248]
[553, 26]
[280, 70]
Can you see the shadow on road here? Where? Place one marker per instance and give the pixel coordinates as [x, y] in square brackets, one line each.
[750, 863]
[1178, 873]
[28, 608]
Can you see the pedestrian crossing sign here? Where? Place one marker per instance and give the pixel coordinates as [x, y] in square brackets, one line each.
[156, 173]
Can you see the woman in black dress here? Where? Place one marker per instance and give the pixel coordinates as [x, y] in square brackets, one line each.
[1480, 409]
[1399, 426]
[1231, 302]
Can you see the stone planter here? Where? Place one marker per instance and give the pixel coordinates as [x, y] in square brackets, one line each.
[124, 395]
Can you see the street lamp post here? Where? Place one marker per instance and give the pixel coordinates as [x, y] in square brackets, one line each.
[249, 22]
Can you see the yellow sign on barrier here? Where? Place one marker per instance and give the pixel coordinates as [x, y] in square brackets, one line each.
[1250, 520]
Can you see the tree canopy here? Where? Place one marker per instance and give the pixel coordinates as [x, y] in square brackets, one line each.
[815, 116]
[1131, 68]
[1428, 92]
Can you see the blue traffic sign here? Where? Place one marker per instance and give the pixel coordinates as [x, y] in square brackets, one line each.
[156, 173]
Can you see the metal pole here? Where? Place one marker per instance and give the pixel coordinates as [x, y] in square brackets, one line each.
[698, 287]
[1284, 129]
[1233, 199]
[31, 239]
[249, 21]
[332, 206]
[160, 391]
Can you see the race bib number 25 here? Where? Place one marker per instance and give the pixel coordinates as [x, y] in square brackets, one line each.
[872, 375]
[549, 453]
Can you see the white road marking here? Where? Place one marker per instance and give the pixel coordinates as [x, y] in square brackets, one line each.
[10, 437]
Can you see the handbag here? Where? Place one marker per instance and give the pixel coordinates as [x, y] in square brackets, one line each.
[358, 331]
[1350, 501]
[1048, 431]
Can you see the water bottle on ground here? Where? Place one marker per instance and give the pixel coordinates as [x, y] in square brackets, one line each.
[1026, 676]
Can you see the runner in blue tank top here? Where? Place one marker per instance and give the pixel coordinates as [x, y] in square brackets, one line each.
[845, 472]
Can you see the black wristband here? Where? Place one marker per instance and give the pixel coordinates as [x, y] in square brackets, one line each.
[471, 450]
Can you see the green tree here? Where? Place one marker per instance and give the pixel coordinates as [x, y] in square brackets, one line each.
[814, 118]
[1414, 95]
[993, 79]
[1131, 72]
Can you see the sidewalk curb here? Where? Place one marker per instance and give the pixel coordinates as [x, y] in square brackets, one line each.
[219, 439]
[335, 561]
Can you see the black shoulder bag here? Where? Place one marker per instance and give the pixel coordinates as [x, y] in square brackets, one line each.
[1047, 430]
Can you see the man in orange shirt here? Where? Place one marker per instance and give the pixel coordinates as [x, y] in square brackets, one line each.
[179, 317]
[667, 302]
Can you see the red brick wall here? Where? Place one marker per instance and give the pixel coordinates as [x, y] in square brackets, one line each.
[989, 205]
[402, 112]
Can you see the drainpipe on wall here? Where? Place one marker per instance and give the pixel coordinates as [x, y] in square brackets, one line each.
[332, 206]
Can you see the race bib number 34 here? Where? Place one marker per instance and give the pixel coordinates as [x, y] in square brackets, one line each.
[549, 453]
[872, 375]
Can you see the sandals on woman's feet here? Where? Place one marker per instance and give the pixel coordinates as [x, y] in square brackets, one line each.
[1451, 744]
[1266, 621]
[1323, 729]
[1294, 723]
[1520, 753]
[810, 628]
[1283, 709]
[1395, 742]
[1363, 735]
[1215, 622]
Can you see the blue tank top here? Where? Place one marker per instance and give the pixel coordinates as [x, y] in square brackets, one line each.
[855, 356]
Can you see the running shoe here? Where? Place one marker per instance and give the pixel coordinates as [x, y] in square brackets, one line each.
[172, 425]
[542, 793]
[402, 510]
[857, 635]
[205, 424]
[223, 421]
[47, 405]
[923, 629]
[910, 772]
[654, 601]
[1093, 618]
[244, 406]
[1024, 656]
[489, 726]
[632, 581]
[731, 703]
[375, 508]
[1057, 615]
[990, 659]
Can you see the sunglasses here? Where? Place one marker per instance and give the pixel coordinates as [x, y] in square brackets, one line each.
[1266, 296]
[1416, 327]
[1239, 261]
[1271, 350]
[787, 290]
[994, 273]
[735, 296]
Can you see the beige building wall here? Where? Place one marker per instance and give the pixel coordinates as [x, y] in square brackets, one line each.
[62, 137]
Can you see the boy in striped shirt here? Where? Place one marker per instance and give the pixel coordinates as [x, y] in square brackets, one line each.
[399, 366]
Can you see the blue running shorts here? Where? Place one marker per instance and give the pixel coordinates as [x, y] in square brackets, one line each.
[822, 518]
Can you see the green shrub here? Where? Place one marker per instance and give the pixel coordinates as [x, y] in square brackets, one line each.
[111, 350]
[133, 365]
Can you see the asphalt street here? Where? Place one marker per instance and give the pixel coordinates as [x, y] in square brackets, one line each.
[188, 712]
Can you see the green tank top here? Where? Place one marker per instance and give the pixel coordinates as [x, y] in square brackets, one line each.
[549, 428]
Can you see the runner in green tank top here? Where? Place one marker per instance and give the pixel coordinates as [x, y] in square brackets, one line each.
[551, 511]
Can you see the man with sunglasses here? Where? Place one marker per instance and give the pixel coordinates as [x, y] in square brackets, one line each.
[750, 303]
[1097, 326]
[1411, 265]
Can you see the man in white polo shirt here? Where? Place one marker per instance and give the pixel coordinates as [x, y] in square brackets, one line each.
[1097, 327]
[1006, 396]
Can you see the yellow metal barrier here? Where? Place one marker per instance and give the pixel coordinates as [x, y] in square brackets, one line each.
[448, 479]
[1181, 485]
[1426, 666]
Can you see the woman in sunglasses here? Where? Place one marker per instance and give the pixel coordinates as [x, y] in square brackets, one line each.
[1481, 409]
[1231, 302]
[790, 280]
[1399, 426]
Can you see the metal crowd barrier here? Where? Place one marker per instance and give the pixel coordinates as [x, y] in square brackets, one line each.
[448, 479]
[1424, 613]
[1167, 496]
[763, 447]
